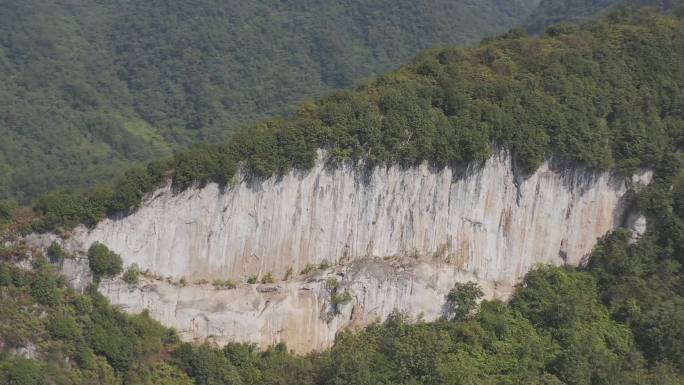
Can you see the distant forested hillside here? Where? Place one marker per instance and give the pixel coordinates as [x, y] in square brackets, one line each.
[607, 95]
[553, 11]
[89, 87]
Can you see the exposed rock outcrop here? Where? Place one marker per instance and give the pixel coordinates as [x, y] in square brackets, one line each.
[481, 223]
[481, 219]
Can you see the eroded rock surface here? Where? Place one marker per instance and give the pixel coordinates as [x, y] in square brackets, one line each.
[485, 220]
[482, 223]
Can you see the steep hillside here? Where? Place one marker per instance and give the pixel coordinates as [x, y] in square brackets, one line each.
[521, 138]
[605, 96]
[88, 88]
[401, 168]
[482, 218]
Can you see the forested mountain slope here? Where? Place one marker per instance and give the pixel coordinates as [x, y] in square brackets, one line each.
[89, 87]
[607, 95]
[553, 11]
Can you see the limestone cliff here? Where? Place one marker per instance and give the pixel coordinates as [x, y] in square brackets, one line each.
[482, 219]
[397, 238]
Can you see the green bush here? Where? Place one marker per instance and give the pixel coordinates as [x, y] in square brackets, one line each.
[21, 277]
[332, 284]
[462, 301]
[27, 372]
[61, 325]
[45, 287]
[337, 298]
[129, 190]
[132, 274]
[55, 252]
[5, 274]
[227, 284]
[308, 269]
[82, 304]
[60, 209]
[104, 262]
[340, 299]
[288, 273]
[84, 356]
[7, 207]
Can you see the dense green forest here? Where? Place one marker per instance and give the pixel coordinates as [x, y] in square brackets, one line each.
[620, 320]
[553, 11]
[90, 87]
[607, 95]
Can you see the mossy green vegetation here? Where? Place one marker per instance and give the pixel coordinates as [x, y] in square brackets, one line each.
[606, 95]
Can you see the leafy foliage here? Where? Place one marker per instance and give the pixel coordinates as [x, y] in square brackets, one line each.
[104, 262]
[642, 283]
[132, 274]
[26, 372]
[337, 297]
[89, 88]
[605, 95]
[45, 288]
[55, 252]
[619, 320]
[461, 302]
[268, 278]
[78, 339]
[550, 12]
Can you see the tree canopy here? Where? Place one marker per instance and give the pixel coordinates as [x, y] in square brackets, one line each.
[89, 88]
[606, 95]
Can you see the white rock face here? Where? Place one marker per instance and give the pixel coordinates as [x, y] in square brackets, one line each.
[481, 224]
[637, 223]
[481, 220]
[297, 311]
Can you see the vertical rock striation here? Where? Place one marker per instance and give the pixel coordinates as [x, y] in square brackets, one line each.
[398, 239]
[482, 219]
